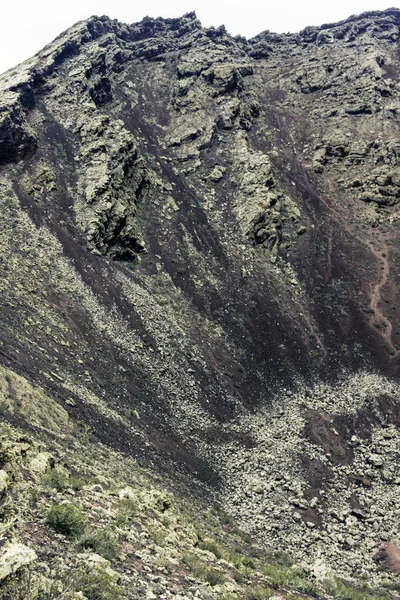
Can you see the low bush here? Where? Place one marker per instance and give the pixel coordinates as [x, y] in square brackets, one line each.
[201, 571]
[242, 574]
[55, 480]
[127, 512]
[341, 590]
[298, 579]
[67, 519]
[234, 557]
[103, 542]
[280, 558]
[259, 593]
[158, 536]
[97, 585]
[254, 552]
[210, 546]
[60, 481]
[277, 576]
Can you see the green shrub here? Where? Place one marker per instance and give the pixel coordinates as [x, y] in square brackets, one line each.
[166, 521]
[280, 558]
[159, 536]
[97, 585]
[246, 537]
[210, 546]
[103, 542]
[55, 479]
[248, 562]
[127, 512]
[395, 587]
[259, 593]
[234, 557]
[306, 586]
[277, 576]
[226, 519]
[242, 574]
[4, 407]
[238, 576]
[67, 519]
[61, 481]
[254, 552]
[201, 571]
[341, 590]
[213, 577]
[298, 579]
[76, 482]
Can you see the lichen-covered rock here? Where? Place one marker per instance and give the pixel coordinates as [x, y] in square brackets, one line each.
[217, 173]
[40, 463]
[98, 563]
[127, 492]
[4, 479]
[261, 205]
[114, 180]
[14, 557]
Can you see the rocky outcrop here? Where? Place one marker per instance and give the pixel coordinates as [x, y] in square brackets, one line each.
[17, 140]
[15, 557]
[113, 182]
[266, 214]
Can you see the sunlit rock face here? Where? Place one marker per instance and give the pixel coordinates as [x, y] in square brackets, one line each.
[199, 261]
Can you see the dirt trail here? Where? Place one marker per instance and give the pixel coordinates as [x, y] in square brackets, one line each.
[328, 273]
[378, 319]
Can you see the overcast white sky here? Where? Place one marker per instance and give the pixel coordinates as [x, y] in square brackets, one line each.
[28, 25]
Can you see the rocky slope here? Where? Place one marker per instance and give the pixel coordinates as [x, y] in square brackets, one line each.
[199, 268]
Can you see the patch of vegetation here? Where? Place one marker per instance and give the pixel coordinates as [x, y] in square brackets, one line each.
[259, 593]
[103, 542]
[55, 480]
[97, 585]
[223, 516]
[4, 407]
[247, 561]
[241, 574]
[202, 571]
[166, 521]
[280, 558]
[18, 587]
[342, 590]
[211, 546]
[298, 579]
[394, 587]
[67, 519]
[254, 552]
[134, 263]
[159, 536]
[127, 512]
[235, 557]
[277, 575]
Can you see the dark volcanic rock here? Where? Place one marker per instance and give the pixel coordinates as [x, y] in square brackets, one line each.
[16, 138]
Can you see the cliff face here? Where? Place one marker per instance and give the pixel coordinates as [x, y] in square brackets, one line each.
[199, 250]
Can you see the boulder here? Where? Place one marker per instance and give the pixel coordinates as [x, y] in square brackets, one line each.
[14, 557]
